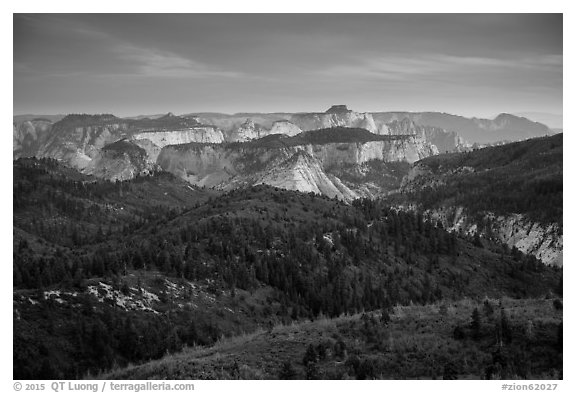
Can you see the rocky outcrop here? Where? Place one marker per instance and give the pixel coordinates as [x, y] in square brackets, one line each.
[209, 166]
[77, 139]
[285, 127]
[246, 132]
[228, 123]
[337, 116]
[199, 134]
[28, 136]
[249, 130]
[306, 167]
[121, 160]
[545, 242]
[80, 141]
[302, 172]
[445, 141]
[225, 169]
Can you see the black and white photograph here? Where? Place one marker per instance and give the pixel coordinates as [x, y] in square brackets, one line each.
[287, 196]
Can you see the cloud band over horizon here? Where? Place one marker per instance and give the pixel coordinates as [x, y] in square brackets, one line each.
[130, 64]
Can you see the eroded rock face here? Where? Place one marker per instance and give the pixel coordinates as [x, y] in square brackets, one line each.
[28, 136]
[304, 173]
[545, 242]
[315, 121]
[78, 145]
[206, 134]
[291, 167]
[285, 127]
[81, 141]
[445, 141]
[336, 116]
[122, 160]
[223, 168]
[246, 132]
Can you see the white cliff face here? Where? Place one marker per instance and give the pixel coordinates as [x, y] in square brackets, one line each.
[285, 127]
[78, 146]
[208, 166]
[80, 140]
[302, 167]
[303, 173]
[122, 160]
[545, 242]
[117, 168]
[337, 116]
[246, 132]
[412, 150]
[179, 137]
[334, 154]
[445, 141]
[249, 130]
[28, 135]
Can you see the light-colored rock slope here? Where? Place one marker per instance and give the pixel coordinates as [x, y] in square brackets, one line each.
[304, 167]
[304, 173]
[28, 135]
[206, 134]
[545, 242]
[80, 141]
[315, 121]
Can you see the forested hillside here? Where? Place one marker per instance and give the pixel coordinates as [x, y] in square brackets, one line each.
[110, 273]
[523, 177]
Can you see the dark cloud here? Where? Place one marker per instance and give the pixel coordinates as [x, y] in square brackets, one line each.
[130, 64]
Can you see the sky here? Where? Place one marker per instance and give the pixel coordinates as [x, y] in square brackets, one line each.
[129, 64]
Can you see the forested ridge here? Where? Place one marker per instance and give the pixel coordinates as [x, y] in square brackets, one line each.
[522, 177]
[268, 255]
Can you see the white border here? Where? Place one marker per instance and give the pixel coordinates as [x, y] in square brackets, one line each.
[247, 6]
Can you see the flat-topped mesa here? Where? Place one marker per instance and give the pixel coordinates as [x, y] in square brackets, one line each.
[338, 109]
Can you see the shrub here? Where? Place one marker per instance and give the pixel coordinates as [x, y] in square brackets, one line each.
[557, 303]
[287, 372]
[311, 356]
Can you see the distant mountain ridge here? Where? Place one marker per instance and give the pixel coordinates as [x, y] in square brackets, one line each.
[504, 127]
[552, 120]
[334, 139]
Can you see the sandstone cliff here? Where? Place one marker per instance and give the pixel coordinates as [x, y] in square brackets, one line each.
[337, 116]
[287, 162]
[544, 241]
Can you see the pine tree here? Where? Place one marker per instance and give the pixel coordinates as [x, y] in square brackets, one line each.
[476, 324]
[311, 356]
[287, 371]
